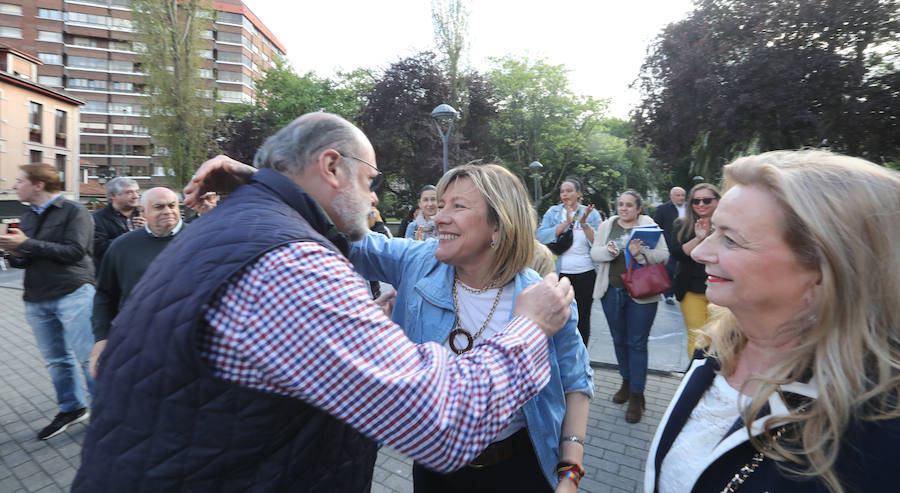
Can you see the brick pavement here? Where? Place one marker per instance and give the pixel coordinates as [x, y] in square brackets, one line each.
[614, 452]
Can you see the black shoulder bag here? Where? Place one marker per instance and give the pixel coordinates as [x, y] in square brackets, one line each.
[564, 240]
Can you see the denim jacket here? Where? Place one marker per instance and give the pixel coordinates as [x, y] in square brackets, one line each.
[546, 232]
[424, 308]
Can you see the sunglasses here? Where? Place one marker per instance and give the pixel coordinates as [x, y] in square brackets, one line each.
[705, 200]
[376, 182]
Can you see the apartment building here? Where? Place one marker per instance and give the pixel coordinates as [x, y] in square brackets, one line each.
[38, 124]
[87, 48]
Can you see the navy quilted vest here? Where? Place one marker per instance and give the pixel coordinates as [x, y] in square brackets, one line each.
[162, 423]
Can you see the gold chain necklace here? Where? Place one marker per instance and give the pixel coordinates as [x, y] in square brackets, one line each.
[458, 330]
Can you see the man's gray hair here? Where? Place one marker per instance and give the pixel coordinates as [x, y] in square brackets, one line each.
[299, 143]
[117, 184]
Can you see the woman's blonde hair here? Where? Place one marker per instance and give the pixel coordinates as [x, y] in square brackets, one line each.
[842, 218]
[543, 262]
[685, 225]
[508, 208]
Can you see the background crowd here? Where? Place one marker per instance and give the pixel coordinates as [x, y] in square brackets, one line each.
[786, 279]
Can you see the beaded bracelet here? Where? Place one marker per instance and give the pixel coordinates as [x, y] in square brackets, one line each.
[571, 475]
[570, 470]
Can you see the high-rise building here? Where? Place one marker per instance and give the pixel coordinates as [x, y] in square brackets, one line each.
[87, 48]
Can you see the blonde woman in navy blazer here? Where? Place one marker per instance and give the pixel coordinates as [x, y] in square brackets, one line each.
[799, 386]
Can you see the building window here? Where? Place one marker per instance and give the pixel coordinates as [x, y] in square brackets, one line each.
[205, 73]
[93, 148]
[53, 37]
[232, 96]
[91, 127]
[10, 32]
[120, 45]
[8, 8]
[229, 18]
[86, 83]
[36, 157]
[50, 58]
[86, 42]
[120, 66]
[95, 107]
[61, 169]
[50, 80]
[123, 86]
[61, 128]
[87, 62]
[51, 14]
[227, 37]
[121, 24]
[35, 112]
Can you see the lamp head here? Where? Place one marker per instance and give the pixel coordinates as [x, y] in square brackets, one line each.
[444, 112]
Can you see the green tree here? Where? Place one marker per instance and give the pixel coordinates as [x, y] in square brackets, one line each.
[541, 119]
[181, 104]
[283, 95]
[450, 20]
[741, 76]
[397, 120]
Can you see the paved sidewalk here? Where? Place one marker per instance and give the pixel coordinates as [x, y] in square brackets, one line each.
[614, 453]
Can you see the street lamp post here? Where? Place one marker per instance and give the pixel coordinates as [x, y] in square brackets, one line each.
[445, 114]
[535, 168]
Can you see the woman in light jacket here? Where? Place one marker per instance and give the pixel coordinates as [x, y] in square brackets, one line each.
[629, 318]
[458, 291]
[575, 263]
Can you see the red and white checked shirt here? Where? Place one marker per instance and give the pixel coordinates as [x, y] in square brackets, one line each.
[300, 322]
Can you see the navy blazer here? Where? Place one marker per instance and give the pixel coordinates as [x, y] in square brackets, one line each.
[665, 217]
[868, 459]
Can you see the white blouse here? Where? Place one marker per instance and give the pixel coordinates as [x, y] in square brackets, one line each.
[713, 416]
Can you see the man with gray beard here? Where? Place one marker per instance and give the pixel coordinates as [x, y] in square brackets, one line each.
[253, 359]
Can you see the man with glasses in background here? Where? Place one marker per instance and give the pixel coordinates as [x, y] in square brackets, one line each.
[120, 215]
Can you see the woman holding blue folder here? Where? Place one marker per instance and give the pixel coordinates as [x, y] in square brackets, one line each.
[629, 318]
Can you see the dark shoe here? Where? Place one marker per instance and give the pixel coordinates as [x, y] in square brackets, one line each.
[636, 406]
[62, 421]
[623, 393]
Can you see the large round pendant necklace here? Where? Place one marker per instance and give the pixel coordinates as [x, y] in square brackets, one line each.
[458, 331]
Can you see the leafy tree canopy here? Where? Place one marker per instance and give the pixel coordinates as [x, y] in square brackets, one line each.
[741, 76]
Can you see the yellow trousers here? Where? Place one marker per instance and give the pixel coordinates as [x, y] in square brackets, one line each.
[694, 309]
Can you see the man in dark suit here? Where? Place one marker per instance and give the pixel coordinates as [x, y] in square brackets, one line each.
[665, 216]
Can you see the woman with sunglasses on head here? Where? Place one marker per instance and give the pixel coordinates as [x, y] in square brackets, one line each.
[575, 263]
[690, 278]
[629, 318]
[422, 227]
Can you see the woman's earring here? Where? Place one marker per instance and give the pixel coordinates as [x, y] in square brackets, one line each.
[493, 244]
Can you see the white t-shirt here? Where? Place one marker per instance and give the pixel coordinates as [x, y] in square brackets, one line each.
[682, 209]
[713, 416]
[576, 259]
[473, 311]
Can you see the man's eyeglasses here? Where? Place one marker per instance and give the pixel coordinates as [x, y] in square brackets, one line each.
[376, 182]
[705, 200]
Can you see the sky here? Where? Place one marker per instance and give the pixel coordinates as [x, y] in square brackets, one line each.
[601, 42]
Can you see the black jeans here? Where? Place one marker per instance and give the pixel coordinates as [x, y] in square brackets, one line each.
[584, 296]
[520, 473]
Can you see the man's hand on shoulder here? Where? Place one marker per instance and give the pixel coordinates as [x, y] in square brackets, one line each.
[219, 174]
[546, 303]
